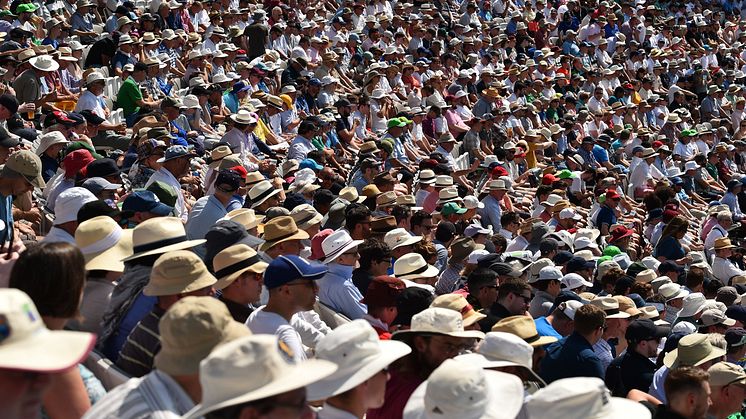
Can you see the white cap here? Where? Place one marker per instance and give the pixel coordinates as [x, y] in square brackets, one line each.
[502, 349]
[549, 273]
[573, 280]
[69, 202]
[471, 202]
[568, 213]
[474, 256]
[569, 308]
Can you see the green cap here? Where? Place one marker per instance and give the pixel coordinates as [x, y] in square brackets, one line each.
[80, 145]
[26, 7]
[396, 122]
[566, 174]
[164, 192]
[405, 120]
[4, 13]
[452, 208]
[603, 259]
[689, 133]
[387, 146]
[611, 251]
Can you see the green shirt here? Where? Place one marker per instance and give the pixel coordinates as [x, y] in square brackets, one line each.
[128, 96]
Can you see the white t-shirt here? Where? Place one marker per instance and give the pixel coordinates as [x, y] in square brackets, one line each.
[267, 323]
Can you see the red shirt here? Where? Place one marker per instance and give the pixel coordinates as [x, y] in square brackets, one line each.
[398, 390]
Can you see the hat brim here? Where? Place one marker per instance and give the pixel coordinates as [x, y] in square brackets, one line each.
[256, 268]
[257, 203]
[111, 258]
[333, 256]
[467, 334]
[187, 244]
[342, 381]
[501, 401]
[430, 272]
[408, 242]
[299, 235]
[671, 360]
[481, 360]
[294, 377]
[164, 159]
[155, 290]
[34, 354]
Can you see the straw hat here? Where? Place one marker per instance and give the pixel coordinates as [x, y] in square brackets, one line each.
[651, 313]
[610, 306]
[386, 199]
[244, 216]
[103, 244]
[723, 243]
[350, 194]
[159, 235]
[500, 349]
[27, 342]
[93, 77]
[359, 355]
[223, 373]
[178, 272]
[218, 154]
[438, 321]
[693, 350]
[413, 266]
[458, 303]
[459, 389]
[306, 216]
[190, 330]
[279, 230]
[582, 397]
[525, 328]
[233, 261]
[261, 192]
[399, 237]
[627, 305]
[671, 291]
[646, 276]
[442, 181]
[44, 63]
[336, 244]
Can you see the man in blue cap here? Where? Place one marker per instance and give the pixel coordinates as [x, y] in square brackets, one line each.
[291, 281]
[144, 205]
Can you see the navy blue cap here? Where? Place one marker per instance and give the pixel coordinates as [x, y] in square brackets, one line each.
[146, 201]
[737, 313]
[286, 269]
[314, 82]
[562, 257]
[577, 263]
[735, 336]
[677, 180]
[655, 213]
[240, 87]
[669, 266]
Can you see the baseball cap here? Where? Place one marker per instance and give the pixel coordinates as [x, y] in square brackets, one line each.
[98, 184]
[737, 313]
[97, 208]
[645, 329]
[452, 208]
[69, 202]
[25, 340]
[146, 201]
[725, 373]
[713, 316]
[728, 296]
[383, 291]
[288, 268]
[735, 336]
[569, 308]
[28, 165]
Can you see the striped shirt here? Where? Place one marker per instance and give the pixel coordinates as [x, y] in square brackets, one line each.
[154, 396]
[136, 356]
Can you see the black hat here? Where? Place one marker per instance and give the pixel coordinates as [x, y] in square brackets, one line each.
[669, 266]
[737, 312]
[341, 103]
[224, 234]
[96, 208]
[76, 119]
[8, 141]
[410, 302]
[91, 117]
[102, 168]
[645, 329]
[228, 178]
[735, 336]
[10, 102]
[121, 10]
[562, 257]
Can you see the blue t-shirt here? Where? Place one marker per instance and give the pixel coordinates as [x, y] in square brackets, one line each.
[669, 248]
[545, 329]
[600, 153]
[606, 216]
[6, 217]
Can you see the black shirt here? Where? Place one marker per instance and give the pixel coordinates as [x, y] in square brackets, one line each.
[362, 279]
[257, 35]
[629, 371]
[239, 312]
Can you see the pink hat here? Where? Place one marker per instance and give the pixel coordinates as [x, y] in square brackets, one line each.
[317, 253]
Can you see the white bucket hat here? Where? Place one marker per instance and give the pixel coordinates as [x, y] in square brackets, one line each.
[460, 390]
[439, 321]
[501, 349]
[103, 243]
[223, 373]
[359, 355]
[671, 291]
[69, 202]
[693, 304]
[190, 102]
[337, 244]
[399, 237]
[412, 266]
[27, 342]
[45, 63]
[49, 139]
[582, 397]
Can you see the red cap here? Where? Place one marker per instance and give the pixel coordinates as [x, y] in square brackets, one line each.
[628, 86]
[383, 290]
[317, 253]
[619, 232]
[499, 171]
[548, 179]
[76, 162]
[612, 194]
[657, 144]
[240, 170]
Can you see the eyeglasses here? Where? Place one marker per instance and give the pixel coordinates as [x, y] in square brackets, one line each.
[525, 299]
